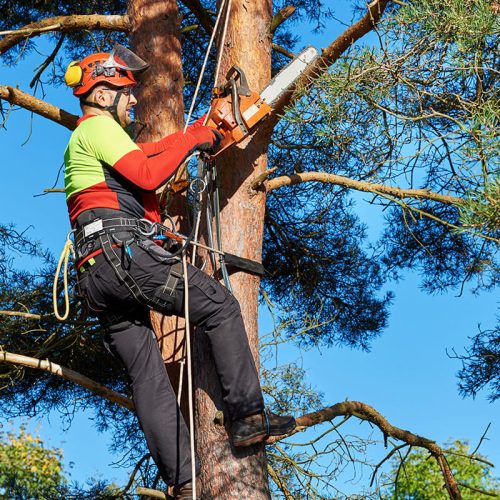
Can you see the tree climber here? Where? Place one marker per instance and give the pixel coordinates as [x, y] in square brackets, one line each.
[123, 272]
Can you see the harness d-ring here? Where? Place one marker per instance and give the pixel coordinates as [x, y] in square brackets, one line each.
[197, 181]
[152, 227]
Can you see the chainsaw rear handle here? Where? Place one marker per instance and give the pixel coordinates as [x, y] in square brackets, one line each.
[243, 88]
[235, 106]
[235, 109]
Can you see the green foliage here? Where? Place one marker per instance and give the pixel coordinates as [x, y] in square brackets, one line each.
[417, 109]
[29, 470]
[76, 343]
[418, 112]
[465, 23]
[482, 209]
[419, 478]
[481, 364]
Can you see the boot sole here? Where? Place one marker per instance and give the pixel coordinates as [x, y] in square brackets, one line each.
[258, 437]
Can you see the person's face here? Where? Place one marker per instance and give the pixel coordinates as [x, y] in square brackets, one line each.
[106, 97]
[125, 104]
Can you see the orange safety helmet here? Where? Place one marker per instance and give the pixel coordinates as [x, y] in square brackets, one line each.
[116, 68]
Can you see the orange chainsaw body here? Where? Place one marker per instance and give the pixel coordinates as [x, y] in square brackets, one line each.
[235, 110]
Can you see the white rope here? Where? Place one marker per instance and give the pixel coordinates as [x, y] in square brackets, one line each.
[181, 374]
[189, 372]
[184, 258]
[200, 78]
[207, 53]
[222, 42]
[216, 78]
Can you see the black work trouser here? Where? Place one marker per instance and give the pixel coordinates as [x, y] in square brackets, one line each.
[129, 335]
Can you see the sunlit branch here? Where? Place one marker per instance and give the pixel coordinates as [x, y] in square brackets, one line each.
[339, 180]
[19, 98]
[369, 414]
[138, 465]
[281, 16]
[66, 373]
[148, 492]
[282, 50]
[21, 314]
[48, 317]
[423, 213]
[64, 24]
[279, 483]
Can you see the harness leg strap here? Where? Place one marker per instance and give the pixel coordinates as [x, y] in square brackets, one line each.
[163, 298]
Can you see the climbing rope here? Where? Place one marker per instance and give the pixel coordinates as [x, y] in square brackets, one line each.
[189, 373]
[207, 54]
[68, 250]
[196, 228]
[182, 168]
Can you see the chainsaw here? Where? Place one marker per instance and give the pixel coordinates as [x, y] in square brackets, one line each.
[236, 110]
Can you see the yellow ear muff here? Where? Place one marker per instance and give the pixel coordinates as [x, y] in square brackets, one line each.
[73, 75]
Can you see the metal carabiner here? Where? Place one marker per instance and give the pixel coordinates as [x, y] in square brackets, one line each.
[70, 233]
[152, 227]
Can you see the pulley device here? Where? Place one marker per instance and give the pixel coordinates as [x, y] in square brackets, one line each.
[236, 110]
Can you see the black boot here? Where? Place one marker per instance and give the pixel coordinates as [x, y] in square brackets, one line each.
[257, 428]
[185, 491]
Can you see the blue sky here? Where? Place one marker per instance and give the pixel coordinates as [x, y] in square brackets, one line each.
[407, 376]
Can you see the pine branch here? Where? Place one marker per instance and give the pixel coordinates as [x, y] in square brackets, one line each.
[47, 61]
[63, 24]
[200, 13]
[329, 56]
[369, 414]
[323, 177]
[280, 17]
[19, 98]
[67, 374]
[282, 50]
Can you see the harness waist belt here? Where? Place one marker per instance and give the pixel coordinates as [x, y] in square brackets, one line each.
[87, 236]
[97, 227]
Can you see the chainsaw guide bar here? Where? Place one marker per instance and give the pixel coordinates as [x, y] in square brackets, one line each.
[236, 110]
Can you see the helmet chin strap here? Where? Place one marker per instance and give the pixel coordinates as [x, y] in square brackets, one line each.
[113, 109]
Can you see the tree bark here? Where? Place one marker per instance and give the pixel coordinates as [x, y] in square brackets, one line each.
[227, 473]
[155, 38]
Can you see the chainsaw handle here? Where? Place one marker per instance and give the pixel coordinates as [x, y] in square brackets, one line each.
[235, 105]
[243, 88]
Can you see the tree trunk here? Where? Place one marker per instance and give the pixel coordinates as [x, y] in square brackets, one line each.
[227, 473]
[155, 38]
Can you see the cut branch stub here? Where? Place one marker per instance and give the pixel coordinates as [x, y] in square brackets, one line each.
[42, 108]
